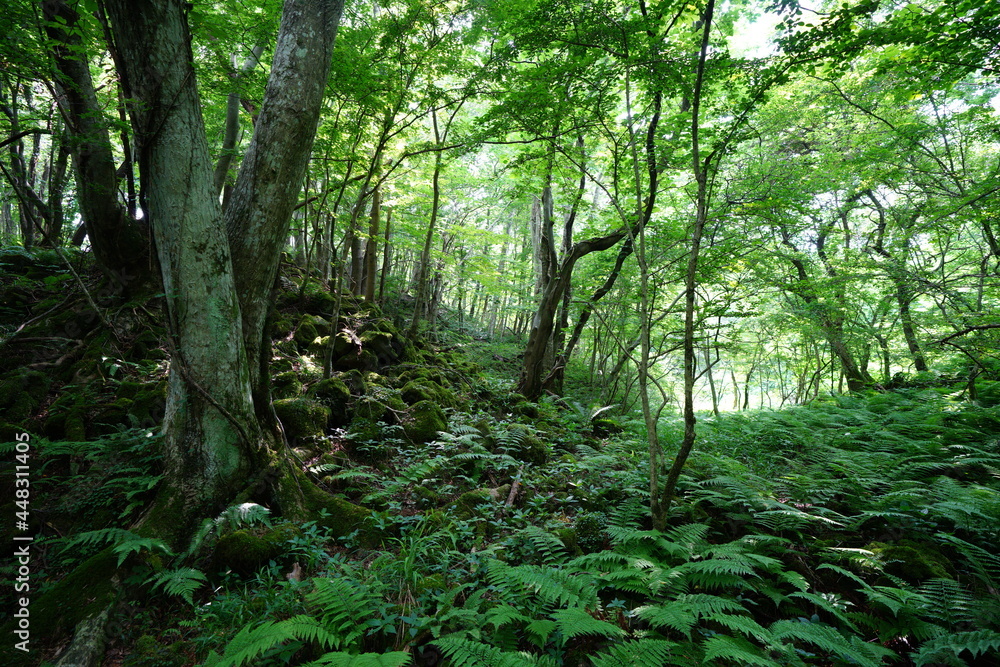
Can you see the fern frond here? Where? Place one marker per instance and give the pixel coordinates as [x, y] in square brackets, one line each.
[252, 642]
[137, 544]
[826, 639]
[548, 545]
[734, 649]
[244, 514]
[985, 564]
[503, 614]
[576, 621]
[742, 624]
[470, 653]
[641, 653]
[977, 642]
[551, 586]
[947, 602]
[182, 582]
[342, 604]
[341, 659]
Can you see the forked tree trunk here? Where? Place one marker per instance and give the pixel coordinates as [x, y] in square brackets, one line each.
[218, 285]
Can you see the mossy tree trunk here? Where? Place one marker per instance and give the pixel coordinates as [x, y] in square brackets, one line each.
[119, 242]
[218, 271]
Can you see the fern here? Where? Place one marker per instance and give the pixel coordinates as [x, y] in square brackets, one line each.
[978, 642]
[986, 565]
[830, 641]
[340, 659]
[181, 582]
[463, 652]
[550, 586]
[545, 543]
[641, 653]
[734, 649]
[252, 642]
[342, 605]
[576, 621]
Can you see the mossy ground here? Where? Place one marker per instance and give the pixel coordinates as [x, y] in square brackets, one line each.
[421, 467]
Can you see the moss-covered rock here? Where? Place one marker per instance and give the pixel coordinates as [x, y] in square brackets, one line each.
[913, 561]
[524, 444]
[569, 539]
[282, 327]
[362, 360]
[472, 504]
[591, 531]
[246, 551]
[286, 385]
[302, 417]
[336, 514]
[334, 394]
[603, 428]
[21, 392]
[424, 373]
[423, 389]
[366, 442]
[425, 420]
[356, 381]
[305, 332]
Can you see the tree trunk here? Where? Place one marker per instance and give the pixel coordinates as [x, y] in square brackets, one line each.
[120, 243]
[371, 246]
[267, 187]
[218, 383]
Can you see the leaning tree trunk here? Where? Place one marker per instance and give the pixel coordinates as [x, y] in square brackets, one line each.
[218, 383]
[119, 242]
[272, 171]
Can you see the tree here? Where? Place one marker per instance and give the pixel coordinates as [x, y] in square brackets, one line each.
[217, 271]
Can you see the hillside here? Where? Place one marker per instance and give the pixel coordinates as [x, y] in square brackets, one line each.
[457, 523]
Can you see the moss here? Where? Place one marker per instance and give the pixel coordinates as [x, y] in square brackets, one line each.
[424, 373]
[425, 420]
[286, 385]
[363, 360]
[426, 497]
[605, 427]
[356, 381]
[84, 592]
[21, 392]
[305, 333]
[570, 540]
[525, 409]
[334, 394]
[282, 327]
[76, 426]
[336, 514]
[590, 531]
[150, 403]
[366, 442]
[471, 504]
[913, 561]
[424, 389]
[302, 417]
[371, 409]
[246, 551]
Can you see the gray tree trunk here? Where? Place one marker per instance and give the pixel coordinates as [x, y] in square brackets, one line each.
[218, 381]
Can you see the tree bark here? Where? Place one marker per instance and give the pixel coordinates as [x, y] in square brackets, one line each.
[120, 243]
[218, 392]
[267, 187]
[542, 324]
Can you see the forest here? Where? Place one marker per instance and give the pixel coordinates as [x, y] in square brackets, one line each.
[583, 333]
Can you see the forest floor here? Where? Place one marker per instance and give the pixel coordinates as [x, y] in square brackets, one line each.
[855, 530]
